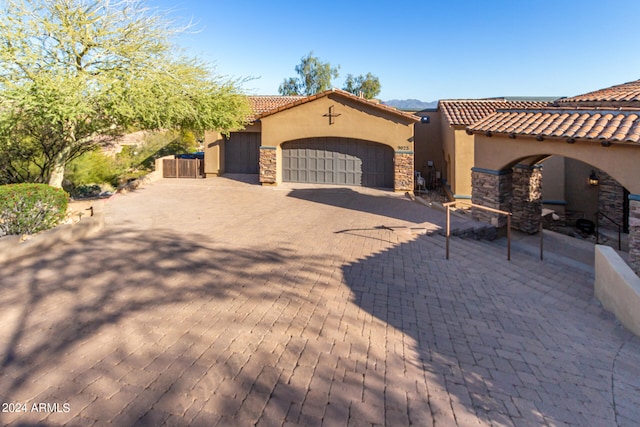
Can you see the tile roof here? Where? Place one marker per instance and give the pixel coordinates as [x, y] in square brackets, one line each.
[593, 124]
[304, 99]
[624, 93]
[263, 103]
[463, 112]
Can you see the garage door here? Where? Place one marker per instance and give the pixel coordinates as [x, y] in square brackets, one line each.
[340, 161]
[241, 152]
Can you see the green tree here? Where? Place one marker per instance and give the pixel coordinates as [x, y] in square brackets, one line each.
[368, 86]
[313, 76]
[75, 71]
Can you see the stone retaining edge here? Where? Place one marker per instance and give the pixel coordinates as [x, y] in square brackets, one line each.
[617, 287]
[11, 248]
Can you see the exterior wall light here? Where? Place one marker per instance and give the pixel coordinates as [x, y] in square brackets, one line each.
[593, 178]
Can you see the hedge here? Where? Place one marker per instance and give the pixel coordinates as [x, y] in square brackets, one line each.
[30, 208]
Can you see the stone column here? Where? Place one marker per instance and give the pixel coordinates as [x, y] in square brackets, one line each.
[526, 204]
[610, 200]
[403, 171]
[268, 165]
[634, 232]
[492, 189]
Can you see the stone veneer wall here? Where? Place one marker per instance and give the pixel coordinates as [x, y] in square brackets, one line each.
[527, 198]
[268, 164]
[610, 200]
[634, 233]
[493, 190]
[403, 171]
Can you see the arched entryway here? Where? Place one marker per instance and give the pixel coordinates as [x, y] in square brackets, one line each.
[506, 177]
[565, 186]
[341, 161]
[600, 128]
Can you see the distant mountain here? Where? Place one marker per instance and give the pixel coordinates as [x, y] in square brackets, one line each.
[410, 104]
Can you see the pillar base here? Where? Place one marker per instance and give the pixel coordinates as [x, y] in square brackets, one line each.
[403, 171]
[268, 165]
[527, 198]
[492, 189]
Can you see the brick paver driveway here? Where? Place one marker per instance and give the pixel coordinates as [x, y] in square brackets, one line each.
[218, 302]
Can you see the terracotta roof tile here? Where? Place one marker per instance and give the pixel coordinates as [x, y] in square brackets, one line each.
[611, 125]
[263, 103]
[463, 112]
[626, 93]
[304, 99]
[576, 122]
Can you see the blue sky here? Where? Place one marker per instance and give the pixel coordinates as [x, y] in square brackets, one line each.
[426, 50]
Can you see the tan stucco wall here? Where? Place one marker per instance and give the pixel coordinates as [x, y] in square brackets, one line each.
[553, 184]
[553, 179]
[213, 152]
[458, 147]
[428, 142]
[580, 196]
[464, 161]
[448, 153]
[620, 161]
[617, 287]
[356, 121]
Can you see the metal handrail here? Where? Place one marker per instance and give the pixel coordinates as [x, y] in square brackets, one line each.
[598, 213]
[508, 214]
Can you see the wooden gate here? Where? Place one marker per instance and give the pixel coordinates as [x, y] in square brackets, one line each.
[183, 168]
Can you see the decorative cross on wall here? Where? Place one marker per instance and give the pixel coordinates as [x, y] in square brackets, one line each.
[330, 115]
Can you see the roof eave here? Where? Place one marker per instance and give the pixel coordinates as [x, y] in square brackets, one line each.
[542, 137]
[381, 107]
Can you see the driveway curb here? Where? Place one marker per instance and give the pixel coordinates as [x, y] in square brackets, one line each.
[15, 247]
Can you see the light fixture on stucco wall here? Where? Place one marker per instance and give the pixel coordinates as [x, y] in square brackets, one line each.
[593, 178]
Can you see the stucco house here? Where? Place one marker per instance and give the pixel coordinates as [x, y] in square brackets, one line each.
[443, 144]
[600, 129]
[332, 137]
[486, 150]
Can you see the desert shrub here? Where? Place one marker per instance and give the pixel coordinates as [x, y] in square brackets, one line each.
[93, 167]
[132, 162]
[30, 208]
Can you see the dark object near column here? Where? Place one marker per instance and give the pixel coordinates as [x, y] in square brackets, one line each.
[585, 226]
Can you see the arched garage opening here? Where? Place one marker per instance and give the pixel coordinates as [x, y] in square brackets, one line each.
[340, 161]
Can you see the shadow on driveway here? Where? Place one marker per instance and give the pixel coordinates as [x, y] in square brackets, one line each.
[511, 343]
[153, 326]
[143, 328]
[386, 206]
[123, 314]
